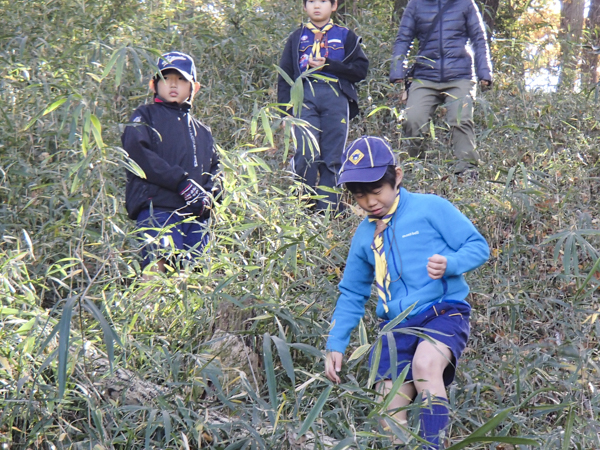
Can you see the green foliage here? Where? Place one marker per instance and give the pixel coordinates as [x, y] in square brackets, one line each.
[73, 72]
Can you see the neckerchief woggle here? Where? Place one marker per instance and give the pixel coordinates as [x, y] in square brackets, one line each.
[319, 34]
[382, 274]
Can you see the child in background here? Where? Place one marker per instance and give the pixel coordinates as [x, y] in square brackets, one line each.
[178, 157]
[417, 248]
[328, 105]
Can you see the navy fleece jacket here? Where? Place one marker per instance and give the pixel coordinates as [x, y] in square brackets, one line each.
[422, 226]
[350, 71]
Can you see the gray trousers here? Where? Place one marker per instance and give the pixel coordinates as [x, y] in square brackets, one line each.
[326, 109]
[423, 98]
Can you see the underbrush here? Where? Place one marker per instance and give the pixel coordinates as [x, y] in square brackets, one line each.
[73, 306]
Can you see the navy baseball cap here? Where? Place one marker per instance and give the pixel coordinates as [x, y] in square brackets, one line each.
[181, 62]
[365, 160]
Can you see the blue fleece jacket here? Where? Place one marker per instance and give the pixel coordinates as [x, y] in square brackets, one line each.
[423, 225]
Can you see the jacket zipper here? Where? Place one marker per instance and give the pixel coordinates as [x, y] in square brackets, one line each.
[193, 139]
[440, 41]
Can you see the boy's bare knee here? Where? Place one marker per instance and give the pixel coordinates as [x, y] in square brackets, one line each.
[426, 366]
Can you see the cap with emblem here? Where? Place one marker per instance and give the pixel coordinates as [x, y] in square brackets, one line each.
[365, 160]
[181, 62]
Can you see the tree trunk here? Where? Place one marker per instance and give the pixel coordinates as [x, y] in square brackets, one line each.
[489, 9]
[571, 27]
[589, 67]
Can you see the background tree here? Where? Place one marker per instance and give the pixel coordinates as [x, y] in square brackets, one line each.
[589, 67]
[570, 31]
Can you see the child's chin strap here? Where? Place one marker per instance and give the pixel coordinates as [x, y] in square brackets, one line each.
[319, 34]
[382, 274]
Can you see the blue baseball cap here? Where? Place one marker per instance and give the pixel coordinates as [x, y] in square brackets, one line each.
[181, 62]
[365, 160]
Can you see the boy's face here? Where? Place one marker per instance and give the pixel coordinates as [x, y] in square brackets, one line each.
[175, 88]
[319, 11]
[379, 201]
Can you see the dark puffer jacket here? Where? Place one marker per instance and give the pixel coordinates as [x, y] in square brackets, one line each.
[446, 55]
[170, 146]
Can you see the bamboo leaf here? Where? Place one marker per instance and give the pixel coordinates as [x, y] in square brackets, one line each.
[54, 105]
[379, 108]
[96, 130]
[362, 333]
[119, 66]
[111, 62]
[384, 406]
[315, 411]
[286, 357]
[493, 422]
[392, 323]
[297, 97]
[270, 372]
[64, 332]
[150, 427]
[110, 336]
[267, 127]
[375, 358]
[566, 444]
[284, 75]
[167, 426]
[359, 352]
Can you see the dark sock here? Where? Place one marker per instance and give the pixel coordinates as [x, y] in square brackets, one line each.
[434, 419]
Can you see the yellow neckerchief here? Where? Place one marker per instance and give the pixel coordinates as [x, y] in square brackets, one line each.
[382, 274]
[319, 33]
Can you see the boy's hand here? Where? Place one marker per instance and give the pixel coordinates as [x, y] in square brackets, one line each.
[485, 85]
[190, 191]
[200, 207]
[316, 62]
[333, 365]
[436, 267]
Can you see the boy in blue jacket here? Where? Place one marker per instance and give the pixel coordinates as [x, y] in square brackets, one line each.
[328, 105]
[178, 157]
[417, 248]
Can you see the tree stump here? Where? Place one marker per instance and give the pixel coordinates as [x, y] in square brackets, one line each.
[232, 347]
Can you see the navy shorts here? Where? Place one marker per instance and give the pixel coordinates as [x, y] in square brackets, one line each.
[180, 234]
[450, 318]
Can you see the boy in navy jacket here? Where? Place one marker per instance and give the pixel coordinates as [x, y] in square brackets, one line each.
[416, 247]
[178, 157]
[328, 105]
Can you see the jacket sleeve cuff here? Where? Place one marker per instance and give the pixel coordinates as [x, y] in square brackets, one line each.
[451, 266]
[336, 345]
[484, 76]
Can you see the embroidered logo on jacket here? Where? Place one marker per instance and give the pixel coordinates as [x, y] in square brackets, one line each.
[414, 233]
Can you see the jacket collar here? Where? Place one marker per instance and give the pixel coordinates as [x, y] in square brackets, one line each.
[185, 106]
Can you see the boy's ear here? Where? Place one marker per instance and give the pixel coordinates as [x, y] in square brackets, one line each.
[196, 88]
[399, 176]
[334, 6]
[151, 85]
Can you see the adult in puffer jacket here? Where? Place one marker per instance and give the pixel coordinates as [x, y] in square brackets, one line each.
[444, 71]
